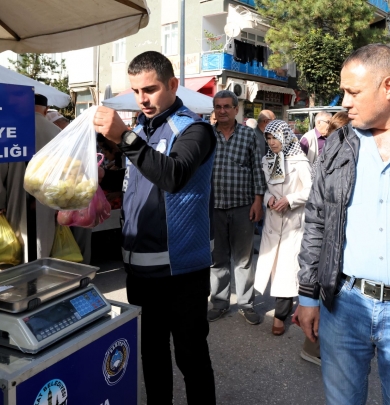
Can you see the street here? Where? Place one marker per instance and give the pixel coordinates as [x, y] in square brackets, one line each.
[251, 366]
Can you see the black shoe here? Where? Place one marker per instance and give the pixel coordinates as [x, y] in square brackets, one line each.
[216, 313]
[250, 315]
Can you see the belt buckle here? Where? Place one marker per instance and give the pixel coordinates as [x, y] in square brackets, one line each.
[375, 283]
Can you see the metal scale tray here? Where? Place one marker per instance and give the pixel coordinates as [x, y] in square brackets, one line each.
[28, 285]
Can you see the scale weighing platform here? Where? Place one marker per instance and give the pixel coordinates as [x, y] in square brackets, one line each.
[62, 342]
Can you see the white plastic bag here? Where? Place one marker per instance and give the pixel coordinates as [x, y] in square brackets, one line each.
[63, 175]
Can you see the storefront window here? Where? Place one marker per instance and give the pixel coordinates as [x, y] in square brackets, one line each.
[265, 100]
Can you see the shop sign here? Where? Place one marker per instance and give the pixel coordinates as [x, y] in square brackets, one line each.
[17, 123]
[191, 64]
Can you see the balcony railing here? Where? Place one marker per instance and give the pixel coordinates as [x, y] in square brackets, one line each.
[249, 2]
[225, 61]
[381, 4]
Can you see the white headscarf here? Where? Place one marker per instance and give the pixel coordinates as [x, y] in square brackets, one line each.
[290, 147]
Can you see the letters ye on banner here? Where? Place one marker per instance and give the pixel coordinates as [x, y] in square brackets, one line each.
[17, 123]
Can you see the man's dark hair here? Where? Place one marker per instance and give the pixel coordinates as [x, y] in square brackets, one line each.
[226, 94]
[149, 61]
[373, 56]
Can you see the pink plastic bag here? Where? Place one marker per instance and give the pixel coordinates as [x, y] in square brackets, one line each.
[99, 210]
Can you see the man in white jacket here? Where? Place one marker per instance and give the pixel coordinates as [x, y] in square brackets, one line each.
[313, 141]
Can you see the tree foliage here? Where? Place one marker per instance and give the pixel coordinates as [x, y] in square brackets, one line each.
[44, 69]
[317, 35]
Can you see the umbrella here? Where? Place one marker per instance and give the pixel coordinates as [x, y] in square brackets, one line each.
[48, 26]
[54, 96]
[195, 101]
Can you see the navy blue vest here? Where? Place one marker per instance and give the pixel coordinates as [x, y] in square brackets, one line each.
[162, 228]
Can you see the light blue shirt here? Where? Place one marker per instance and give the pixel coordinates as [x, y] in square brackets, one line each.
[367, 233]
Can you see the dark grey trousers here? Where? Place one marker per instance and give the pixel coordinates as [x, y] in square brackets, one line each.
[233, 242]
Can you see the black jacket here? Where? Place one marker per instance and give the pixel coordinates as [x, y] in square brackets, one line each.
[321, 255]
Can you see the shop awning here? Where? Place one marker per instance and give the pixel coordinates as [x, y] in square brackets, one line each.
[196, 83]
[254, 87]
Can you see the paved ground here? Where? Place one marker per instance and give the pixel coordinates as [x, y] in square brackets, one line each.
[251, 366]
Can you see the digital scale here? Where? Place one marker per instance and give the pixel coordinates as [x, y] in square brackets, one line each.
[46, 300]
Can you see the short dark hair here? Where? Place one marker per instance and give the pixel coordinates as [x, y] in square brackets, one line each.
[40, 100]
[149, 61]
[374, 56]
[226, 94]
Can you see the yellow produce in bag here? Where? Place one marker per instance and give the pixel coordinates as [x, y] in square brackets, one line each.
[63, 175]
[10, 248]
[64, 246]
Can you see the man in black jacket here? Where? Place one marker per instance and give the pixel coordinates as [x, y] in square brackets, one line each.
[166, 230]
[345, 254]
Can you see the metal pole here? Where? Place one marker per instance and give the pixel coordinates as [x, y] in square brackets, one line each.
[182, 42]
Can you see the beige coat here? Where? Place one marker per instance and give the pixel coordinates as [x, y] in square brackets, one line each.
[282, 233]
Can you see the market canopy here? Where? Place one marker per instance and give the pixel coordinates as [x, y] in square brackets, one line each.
[50, 26]
[197, 102]
[54, 96]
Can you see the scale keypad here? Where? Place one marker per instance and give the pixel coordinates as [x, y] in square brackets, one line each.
[53, 320]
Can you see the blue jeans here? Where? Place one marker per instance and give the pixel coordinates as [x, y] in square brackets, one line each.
[349, 335]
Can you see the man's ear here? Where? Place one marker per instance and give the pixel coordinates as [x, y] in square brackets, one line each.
[46, 110]
[386, 83]
[173, 84]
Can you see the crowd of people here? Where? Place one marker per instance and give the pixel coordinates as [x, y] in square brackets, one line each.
[309, 246]
[194, 195]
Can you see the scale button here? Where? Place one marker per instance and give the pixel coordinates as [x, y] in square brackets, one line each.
[77, 315]
[62, 326]
[39, 338]
[44, 335]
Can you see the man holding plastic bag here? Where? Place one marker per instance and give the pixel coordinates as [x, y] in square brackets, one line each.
[166, 230]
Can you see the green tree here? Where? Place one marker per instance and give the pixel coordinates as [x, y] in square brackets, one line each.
[317, 35]
[41, 67]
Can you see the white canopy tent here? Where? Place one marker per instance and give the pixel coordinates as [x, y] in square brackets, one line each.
[54, 96]
[195, 101]
[49, 26]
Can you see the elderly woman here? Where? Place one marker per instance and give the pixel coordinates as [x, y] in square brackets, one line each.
[287, 171]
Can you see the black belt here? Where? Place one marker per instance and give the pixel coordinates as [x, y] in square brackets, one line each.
[370, 288]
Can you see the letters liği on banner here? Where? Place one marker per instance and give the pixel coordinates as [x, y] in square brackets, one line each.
[17, 123]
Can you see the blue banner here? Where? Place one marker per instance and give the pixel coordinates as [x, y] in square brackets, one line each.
[105, 372]
[17, 123]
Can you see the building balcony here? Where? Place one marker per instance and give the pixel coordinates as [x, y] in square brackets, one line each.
[225, 61]
[381, 4]
[248, 2]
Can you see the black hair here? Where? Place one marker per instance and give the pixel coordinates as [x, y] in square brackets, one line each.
[149, 61]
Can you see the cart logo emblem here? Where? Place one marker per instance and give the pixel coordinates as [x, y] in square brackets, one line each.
[53, 392]
[115, 361]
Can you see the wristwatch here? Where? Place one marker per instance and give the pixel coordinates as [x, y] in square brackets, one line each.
[128, 138]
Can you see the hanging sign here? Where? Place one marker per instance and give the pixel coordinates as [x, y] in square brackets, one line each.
[17, 123]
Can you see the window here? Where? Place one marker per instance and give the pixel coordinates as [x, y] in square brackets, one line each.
[170, 39]
[119, 52]
[252, 38]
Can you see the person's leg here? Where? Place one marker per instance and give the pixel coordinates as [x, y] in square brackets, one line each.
[381, 335]
[283, 307]
[190, 329]
[220, 270]
[241, 240]
[155, 337]
[346, 346]
[311, 351]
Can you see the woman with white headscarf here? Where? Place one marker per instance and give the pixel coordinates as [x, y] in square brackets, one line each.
[287, 172]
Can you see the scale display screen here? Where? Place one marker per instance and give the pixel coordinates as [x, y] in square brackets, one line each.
[65, 313]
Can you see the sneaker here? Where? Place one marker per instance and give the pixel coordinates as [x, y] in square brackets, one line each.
[306, 356]
[216, 313]
[250, 315]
